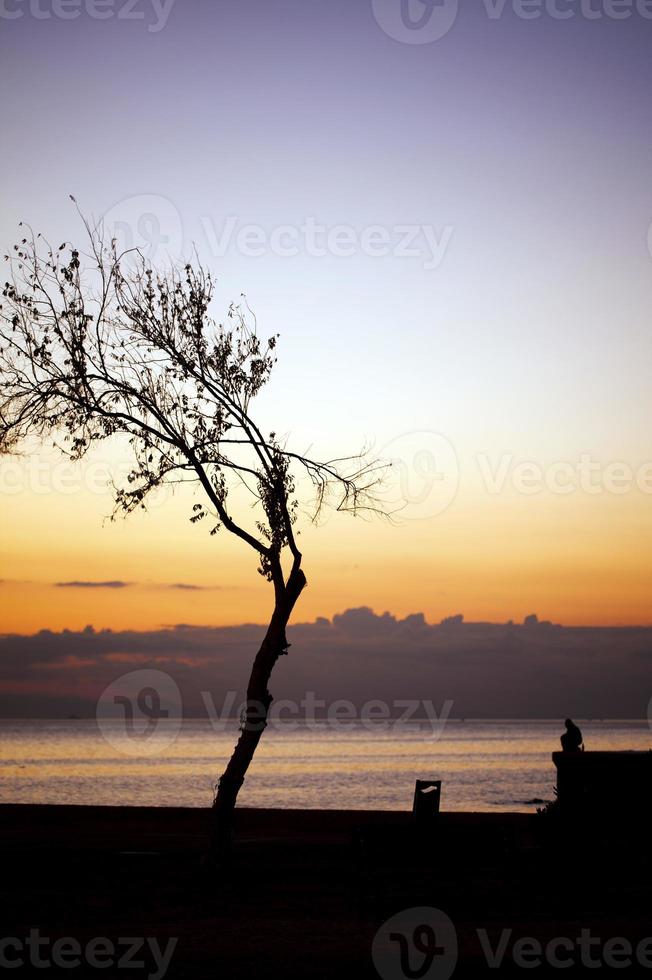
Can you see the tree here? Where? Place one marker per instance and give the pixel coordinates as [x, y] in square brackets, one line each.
[101, 345]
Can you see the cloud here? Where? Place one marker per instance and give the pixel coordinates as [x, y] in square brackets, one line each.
[119, 584]
[192, 587]
[78, 584]
[489, 670]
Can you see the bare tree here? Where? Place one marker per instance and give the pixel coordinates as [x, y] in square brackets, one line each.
[100, 345]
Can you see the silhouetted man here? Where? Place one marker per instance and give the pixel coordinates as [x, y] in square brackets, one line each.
[571, 740]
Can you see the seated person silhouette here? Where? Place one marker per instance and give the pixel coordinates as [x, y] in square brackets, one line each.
[571, 740]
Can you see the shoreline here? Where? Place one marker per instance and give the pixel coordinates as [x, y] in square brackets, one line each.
[78, 825]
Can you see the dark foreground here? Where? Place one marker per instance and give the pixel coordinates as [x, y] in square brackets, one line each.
[310, 890]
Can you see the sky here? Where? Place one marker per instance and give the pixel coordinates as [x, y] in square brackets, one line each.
[448, 225]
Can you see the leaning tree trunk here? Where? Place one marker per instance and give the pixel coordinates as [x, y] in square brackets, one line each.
[254, 723]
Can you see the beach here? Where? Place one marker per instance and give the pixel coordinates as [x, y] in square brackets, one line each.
[308, 891]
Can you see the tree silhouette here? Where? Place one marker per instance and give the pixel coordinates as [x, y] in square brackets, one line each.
[100, 345]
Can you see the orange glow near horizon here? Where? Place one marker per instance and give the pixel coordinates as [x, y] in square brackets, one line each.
[577, 560]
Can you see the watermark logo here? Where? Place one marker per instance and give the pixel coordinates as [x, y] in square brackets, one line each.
[315, 240]
[424, 475]
[415, 21]
[143, 953]
[153, 13]
[425, 21]
[584, 951]
[140, 713]
[563, 477]
[153, 225]
[416, 943]
[95, 474]
[313, 713]
[422, 482]
[422, 943]
[148, 223]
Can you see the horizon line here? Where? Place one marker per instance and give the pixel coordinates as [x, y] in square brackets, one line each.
[452, 622]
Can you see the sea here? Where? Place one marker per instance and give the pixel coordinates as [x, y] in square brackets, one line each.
[484, 765]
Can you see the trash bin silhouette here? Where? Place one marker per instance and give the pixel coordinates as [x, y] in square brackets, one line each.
[427, 795]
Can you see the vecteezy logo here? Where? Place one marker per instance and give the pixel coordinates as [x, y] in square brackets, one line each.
[147, 223]
[416, 944]
[415, 21]
[423, 477]
[140, 712]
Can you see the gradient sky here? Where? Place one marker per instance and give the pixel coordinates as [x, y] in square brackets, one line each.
[525, 149]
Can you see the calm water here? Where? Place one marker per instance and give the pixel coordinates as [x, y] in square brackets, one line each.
[483, 765]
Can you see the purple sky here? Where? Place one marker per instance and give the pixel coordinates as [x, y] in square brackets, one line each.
[529, 139]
